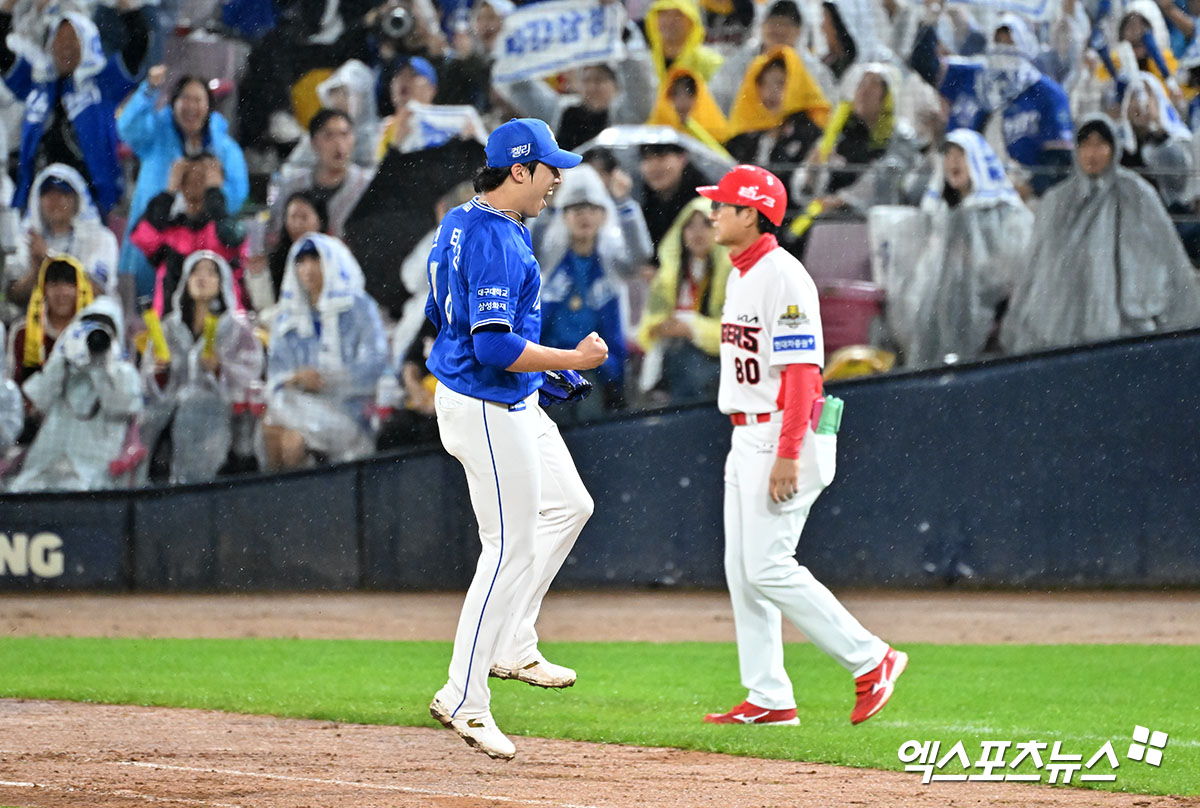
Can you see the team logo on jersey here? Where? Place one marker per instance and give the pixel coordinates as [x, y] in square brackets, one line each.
[524, 150]
[751, 192]
[793, 317]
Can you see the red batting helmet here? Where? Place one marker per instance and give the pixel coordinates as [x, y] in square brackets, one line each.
[750, 187]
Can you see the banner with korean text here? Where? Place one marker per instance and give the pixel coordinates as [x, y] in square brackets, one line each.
[546, 38]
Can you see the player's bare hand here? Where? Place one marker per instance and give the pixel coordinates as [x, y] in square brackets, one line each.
[592, 352]
[785, 479]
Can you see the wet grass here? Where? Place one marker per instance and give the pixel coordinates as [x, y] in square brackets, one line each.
[655, 695]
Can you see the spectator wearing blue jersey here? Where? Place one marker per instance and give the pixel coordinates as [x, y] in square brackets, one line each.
[327, 352]
[71, 91]
[529, 502]
[186, 127]
[587, 245]
[1035, 110]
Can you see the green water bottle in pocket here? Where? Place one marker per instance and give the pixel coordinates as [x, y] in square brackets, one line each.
[831, 416]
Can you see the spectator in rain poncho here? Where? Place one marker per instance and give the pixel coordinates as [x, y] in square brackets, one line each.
[867, 150]
[215, 358]
[1035, 111]
[975, 231]
[1156, 142]
[89, 395]
[851, 36]
[681, 329]
[327, 352]
[12, 406]
[586, 248]
[1140, 21]
[61, 292]
[781, 27]
[61, 220]
[1104, 261]
[685, 105]
[71, 89]
[779, 113]
[675, 33]
[186, 126]
[350, 89]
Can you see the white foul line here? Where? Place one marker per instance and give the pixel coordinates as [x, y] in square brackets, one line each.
[351, 783]
[120, 792]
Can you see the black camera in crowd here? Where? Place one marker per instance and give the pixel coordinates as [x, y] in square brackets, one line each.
[99, 333]
[396, 24]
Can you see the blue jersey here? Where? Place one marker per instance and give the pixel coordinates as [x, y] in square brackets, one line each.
[482, 272]
[1039, 115]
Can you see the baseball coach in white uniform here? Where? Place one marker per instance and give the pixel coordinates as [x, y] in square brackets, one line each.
[783, 456]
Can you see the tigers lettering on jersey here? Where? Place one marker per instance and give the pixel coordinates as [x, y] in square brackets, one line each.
[741, 336]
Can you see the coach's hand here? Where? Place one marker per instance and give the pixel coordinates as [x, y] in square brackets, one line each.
[592, 352]
[785, 479]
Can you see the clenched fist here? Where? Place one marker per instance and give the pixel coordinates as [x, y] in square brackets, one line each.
[592, 352]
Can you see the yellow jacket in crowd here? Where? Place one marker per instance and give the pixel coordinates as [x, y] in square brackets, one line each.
[695, 55]
[664, 291]
[801, 92]
[706, 122]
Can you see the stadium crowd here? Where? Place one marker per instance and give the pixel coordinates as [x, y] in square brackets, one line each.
[219, 212]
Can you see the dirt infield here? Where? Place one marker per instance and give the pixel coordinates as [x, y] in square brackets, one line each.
[60, 754]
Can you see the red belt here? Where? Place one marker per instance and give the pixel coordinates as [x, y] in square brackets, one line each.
[742, 418]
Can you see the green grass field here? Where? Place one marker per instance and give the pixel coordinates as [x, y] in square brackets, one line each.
[655, 694]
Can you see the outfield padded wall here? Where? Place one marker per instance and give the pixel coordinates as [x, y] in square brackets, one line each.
[1073, 468]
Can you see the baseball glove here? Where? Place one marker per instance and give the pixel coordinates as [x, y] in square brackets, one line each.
[561, 386]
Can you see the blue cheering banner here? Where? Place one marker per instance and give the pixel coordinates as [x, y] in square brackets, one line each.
[546, 38]
[1036, 10]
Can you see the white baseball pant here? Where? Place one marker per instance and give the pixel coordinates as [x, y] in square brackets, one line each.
[530, 505]
[765, 580]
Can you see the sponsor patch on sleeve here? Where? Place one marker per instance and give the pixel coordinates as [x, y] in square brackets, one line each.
[799, 342]
[492, 291]
[486, 306]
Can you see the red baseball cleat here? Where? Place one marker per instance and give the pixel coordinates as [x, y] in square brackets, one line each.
[875, 687]
[747, 713]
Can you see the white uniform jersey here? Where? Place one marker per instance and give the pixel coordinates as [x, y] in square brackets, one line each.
[771, 318]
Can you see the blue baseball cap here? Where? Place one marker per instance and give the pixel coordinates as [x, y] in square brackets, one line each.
[422, 67]
[523, 140]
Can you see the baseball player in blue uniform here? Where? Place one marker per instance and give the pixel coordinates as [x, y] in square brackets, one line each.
[528, 499]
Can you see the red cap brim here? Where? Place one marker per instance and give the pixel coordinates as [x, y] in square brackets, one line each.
[713, 192]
